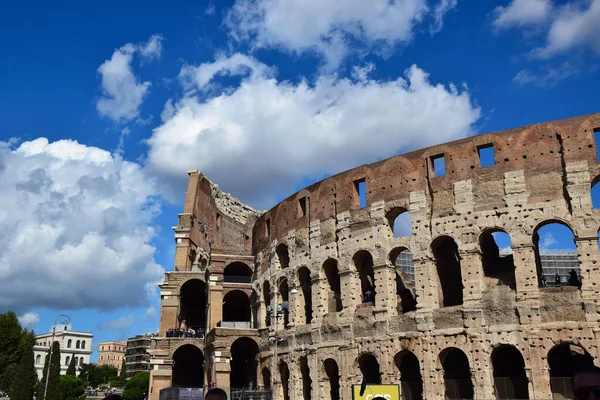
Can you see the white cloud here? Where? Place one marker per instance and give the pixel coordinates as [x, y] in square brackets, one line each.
[75, 228]
[261, 138]
[329, 26]
[548, 76]
[122, 91]
[439, 12]
[29, 320]
[117, 324]
[522, 13]
[150, 312]
[574, 25]
[548, 240]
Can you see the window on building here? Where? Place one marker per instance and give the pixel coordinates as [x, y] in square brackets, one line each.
[83, 344]
[268, 226]
[78, 344]
[67, 360]
[360, 193]
[302, 203]
[81, 361]
[102, 357]
[439, 165]
[69, 343]
[486, 155]
[38, 359]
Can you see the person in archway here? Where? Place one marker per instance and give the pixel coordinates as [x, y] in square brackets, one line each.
[215, 394]
[557, 279]
[586, 383]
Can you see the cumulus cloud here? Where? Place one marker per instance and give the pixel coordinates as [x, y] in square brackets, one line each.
[261, 138]
[439, 12]
[329, 26]
[547, 77]
[548, 240]
[117, 324]
[75, 228]
[564, 27]
[522, 13]
[122, 91]
[29, 320]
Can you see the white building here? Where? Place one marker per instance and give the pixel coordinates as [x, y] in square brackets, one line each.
[72, 344]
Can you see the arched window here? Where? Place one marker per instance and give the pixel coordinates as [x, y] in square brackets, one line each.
[67, 359]
[334, 299]
[76, 358]
[283, 255]
[497, 258]
[237, 272]
[78, 344]
[102, 357]
[80, 361]
[284, 376]
[447, 261]
[369, 369]
[400, 222]
[243, 363]
[333, 376]
[267, 300]
[306, 293]
[457, 374]
[306, 379]
[284, 292]
[510, 379]
[236, 307]
[38, 359]
[83, 344]
[401, 259]
[363, 262]
[69, 343]
[556, 258]
[193, 304]
[564, 359]
[410, 375]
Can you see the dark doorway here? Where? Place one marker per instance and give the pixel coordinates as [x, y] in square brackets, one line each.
[283, 255]
[188, 367]
[306, 286]
[401, 259]
[267, 300]
[564, 359]
[306, 380]
[237, 272]
[369, 368]
[410, 375]
[266, 377]
[284, 290]
[333, 375]
[447, 261]
[510, 379]
[363, 262]
[243, 364]
[457, 374]
[496, 264]
[334, 303]
[193, 304]
[284, 374]
[236, 307]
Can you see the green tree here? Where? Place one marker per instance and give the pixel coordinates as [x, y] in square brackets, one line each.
[39, 387]
[53, 390]
[123, 372]
[137, 387]
[96, 375]
[11, 334]
[72, 388]
[26, 377]
[6, 378]
[72, 369]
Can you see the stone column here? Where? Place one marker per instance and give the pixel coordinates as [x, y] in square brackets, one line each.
[350, 283]
[385, 289]
[525, 272]
[215, 299]
[427, 283]
[169, 308]
[319, 298]
[539, 369]
[261, 314]
[472, 277]
[589, 259]
[481, 369]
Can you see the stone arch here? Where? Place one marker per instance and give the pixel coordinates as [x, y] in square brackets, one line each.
[411, 380]
[283, 255]
[332, 371]
[400, 222]
[457, 374]
[369, 368]
[266, 292]
[237, 272]
[332, 275]
[497, 265]
[563, 360]
[284, 291]
[401, 259]
[447, 261]
[236, 307]
[306, 379]
[284, 376]
[510, 378]
[363, 264]
[305, 294]
[192, 304]
[244, 363]
[558, 279]
[188, 367]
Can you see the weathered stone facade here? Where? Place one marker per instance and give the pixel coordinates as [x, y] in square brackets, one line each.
[468, 323]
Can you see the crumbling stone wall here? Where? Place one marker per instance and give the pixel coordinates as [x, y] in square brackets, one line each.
[542, 173]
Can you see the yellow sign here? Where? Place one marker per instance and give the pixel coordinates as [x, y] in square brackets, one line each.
[388, 392]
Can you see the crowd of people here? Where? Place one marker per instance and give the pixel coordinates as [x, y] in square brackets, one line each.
[185, 333]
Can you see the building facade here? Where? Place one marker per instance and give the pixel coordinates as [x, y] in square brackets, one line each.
[72, 344]
[112, 353]
[137, 358]
[314, 295]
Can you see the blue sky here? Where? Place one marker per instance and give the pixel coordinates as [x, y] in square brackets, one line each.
[265, 97]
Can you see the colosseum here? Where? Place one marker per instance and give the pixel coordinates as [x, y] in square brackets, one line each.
[321, 291]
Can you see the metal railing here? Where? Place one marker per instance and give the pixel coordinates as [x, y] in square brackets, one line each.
[237, 279]
[250, 394]
[235, 324]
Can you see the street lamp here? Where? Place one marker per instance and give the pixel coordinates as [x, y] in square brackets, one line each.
[63, 320]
